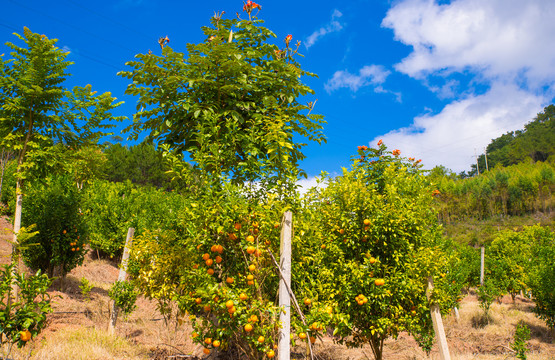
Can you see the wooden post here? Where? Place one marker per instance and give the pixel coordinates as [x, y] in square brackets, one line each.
[121, 277]
[284, 351]
[438, 324]
[457, 316]
[482, 257]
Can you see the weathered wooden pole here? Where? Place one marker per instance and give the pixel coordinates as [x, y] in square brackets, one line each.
[482, 258]
[284, 349]
[121, 277]
[457, 316]
[438, 324]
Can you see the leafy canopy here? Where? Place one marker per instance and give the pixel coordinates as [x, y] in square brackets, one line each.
[37, 111]
[230, 103]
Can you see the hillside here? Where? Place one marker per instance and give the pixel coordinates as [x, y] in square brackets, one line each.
[536, 142]
[77, 328]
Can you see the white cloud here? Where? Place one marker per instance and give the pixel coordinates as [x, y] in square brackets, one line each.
[503, 45]
[333, 26]
[498, 38]
[308, 183]
[368, 75]
[450, 137]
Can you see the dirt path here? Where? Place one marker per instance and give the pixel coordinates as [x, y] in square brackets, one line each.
[5, 237]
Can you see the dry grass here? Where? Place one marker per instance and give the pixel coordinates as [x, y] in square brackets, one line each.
[88, 343]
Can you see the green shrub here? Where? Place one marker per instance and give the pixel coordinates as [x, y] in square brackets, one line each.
[27, 315]
[541, 278]
[487, 293]
[124, 295]
[86, 287]
[519, 344]
[112, 208]
[54, 208]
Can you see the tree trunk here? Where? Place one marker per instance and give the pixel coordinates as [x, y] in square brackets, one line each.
[376, 344]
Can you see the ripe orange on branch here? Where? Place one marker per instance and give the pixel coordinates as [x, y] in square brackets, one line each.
[25, 335]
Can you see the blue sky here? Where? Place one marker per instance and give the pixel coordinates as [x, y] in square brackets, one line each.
[435, 79]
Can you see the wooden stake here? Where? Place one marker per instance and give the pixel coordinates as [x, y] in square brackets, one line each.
[457, 316]
[284, 349]
[438, 324]
[482, 257]
[121, 277]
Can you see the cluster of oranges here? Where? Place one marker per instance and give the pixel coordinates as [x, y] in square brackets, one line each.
[243, 234]
[74, 246]
[361, 299]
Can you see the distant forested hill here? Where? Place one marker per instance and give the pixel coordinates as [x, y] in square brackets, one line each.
[520, 180]
[536, 142]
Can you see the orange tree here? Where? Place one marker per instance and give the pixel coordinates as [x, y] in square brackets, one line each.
[379, 241]
[53, 206]
[229, 107]
[541, 271]
[219, 271]
[23, 318]
[506, 261]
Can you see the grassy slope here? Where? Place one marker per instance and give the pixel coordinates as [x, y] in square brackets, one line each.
[477, 232]
[77, 329]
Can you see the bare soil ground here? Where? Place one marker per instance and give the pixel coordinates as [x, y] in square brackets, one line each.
[77, 328]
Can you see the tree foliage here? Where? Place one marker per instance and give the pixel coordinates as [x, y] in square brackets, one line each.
[380, 242]
[54, 207]
[230, 104]
[142, 164]
[536, 142]
[513, 190]
[37, 112]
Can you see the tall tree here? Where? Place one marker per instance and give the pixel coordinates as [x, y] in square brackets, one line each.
[37, 111]
[143, 164]
[230, 104]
